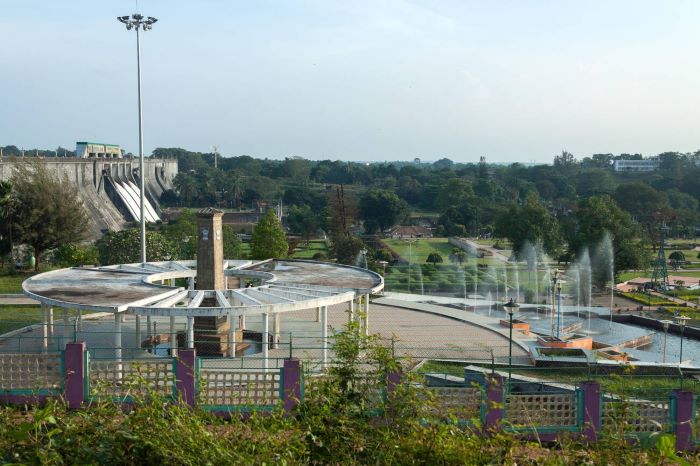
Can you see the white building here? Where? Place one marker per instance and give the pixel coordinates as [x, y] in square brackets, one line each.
[645, 165]
[97, 150]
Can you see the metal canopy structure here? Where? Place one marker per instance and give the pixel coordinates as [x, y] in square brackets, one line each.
[147, 289]
[150, 290]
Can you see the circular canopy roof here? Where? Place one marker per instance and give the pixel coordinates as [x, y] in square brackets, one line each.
[287, 285]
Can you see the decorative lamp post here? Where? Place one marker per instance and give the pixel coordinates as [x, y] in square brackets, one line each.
[556, 293]
[511, 308]
[682, 321]
[410, 257]
[137, 22]
[666, 324]
[383, 264]
[363, 252]
[184, 250]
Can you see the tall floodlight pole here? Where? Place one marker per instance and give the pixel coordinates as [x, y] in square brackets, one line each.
[137, 22]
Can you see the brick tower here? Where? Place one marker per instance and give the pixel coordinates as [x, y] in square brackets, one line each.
[210, 333]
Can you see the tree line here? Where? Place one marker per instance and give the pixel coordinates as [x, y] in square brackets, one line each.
[564, 206]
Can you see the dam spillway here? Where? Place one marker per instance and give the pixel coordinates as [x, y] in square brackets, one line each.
[97, 181]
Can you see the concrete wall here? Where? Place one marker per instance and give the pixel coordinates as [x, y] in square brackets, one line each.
[87, 174]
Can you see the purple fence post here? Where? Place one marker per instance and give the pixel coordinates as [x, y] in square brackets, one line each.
[186, 375]
[74, 366]
[393, 379]
[683, 423]
[494, 402]
[291, 386]
[591, 410]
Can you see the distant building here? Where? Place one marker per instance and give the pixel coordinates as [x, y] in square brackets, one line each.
[645, 165]
[399, 232]
[97, 150]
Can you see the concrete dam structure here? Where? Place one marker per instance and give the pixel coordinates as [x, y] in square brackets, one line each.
[109, 188]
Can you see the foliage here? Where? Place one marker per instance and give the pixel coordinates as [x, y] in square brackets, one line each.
[434, 258]
[302, 220]
[382, 208]
[232, 244]
[51, 211]
[676, 257]
[72, 255]
[530, 223]
[342, 420]
[124, 247]
[598, 216]
[458, 256]
[268, 240]
[6, 209]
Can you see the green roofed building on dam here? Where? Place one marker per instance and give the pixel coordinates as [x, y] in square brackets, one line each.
[98, 150]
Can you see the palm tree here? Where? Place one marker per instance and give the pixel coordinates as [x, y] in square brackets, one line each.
[186, 187]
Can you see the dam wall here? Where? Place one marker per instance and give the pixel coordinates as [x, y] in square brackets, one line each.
[93, 178]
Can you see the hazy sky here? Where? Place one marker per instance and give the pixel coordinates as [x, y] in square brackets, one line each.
[357, 80]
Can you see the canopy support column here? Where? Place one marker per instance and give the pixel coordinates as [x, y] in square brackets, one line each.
[44, 327]
[265, 339]
[138, 331]
[324, 334]
[231, 335]
[66, 329]
[173, 337]
[276, 322]
[190, 332]
[118, 344]
[367, 314]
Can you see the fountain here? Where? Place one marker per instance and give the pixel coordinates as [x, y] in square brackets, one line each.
[605, 257]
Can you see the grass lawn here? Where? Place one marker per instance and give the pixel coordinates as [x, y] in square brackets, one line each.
[420, 250]
[628, 384]
[302, 252]
[624, 276]
[12, 284]
[647, 300]
[12, 318]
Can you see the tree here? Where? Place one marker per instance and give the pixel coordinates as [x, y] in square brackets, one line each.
[123, 247]
[302, 220]
[676, 258]
[600, 214]
[73, 255]
[530, 223]
[268, 240]
[52, 213]
[458, 256]
[382, 207]
[6, 210]
[232, 244]
[453, 192]
[434, 258]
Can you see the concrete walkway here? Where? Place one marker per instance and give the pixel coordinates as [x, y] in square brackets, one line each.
[17, 300]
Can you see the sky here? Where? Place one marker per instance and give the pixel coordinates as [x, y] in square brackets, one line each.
[375, 80]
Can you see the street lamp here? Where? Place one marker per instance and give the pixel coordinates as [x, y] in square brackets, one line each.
[682, 321]
[556, 293]
[410, 257]
[666, 324]
[363, 252]
[511, 308]
[137, 22]
[383, 264]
